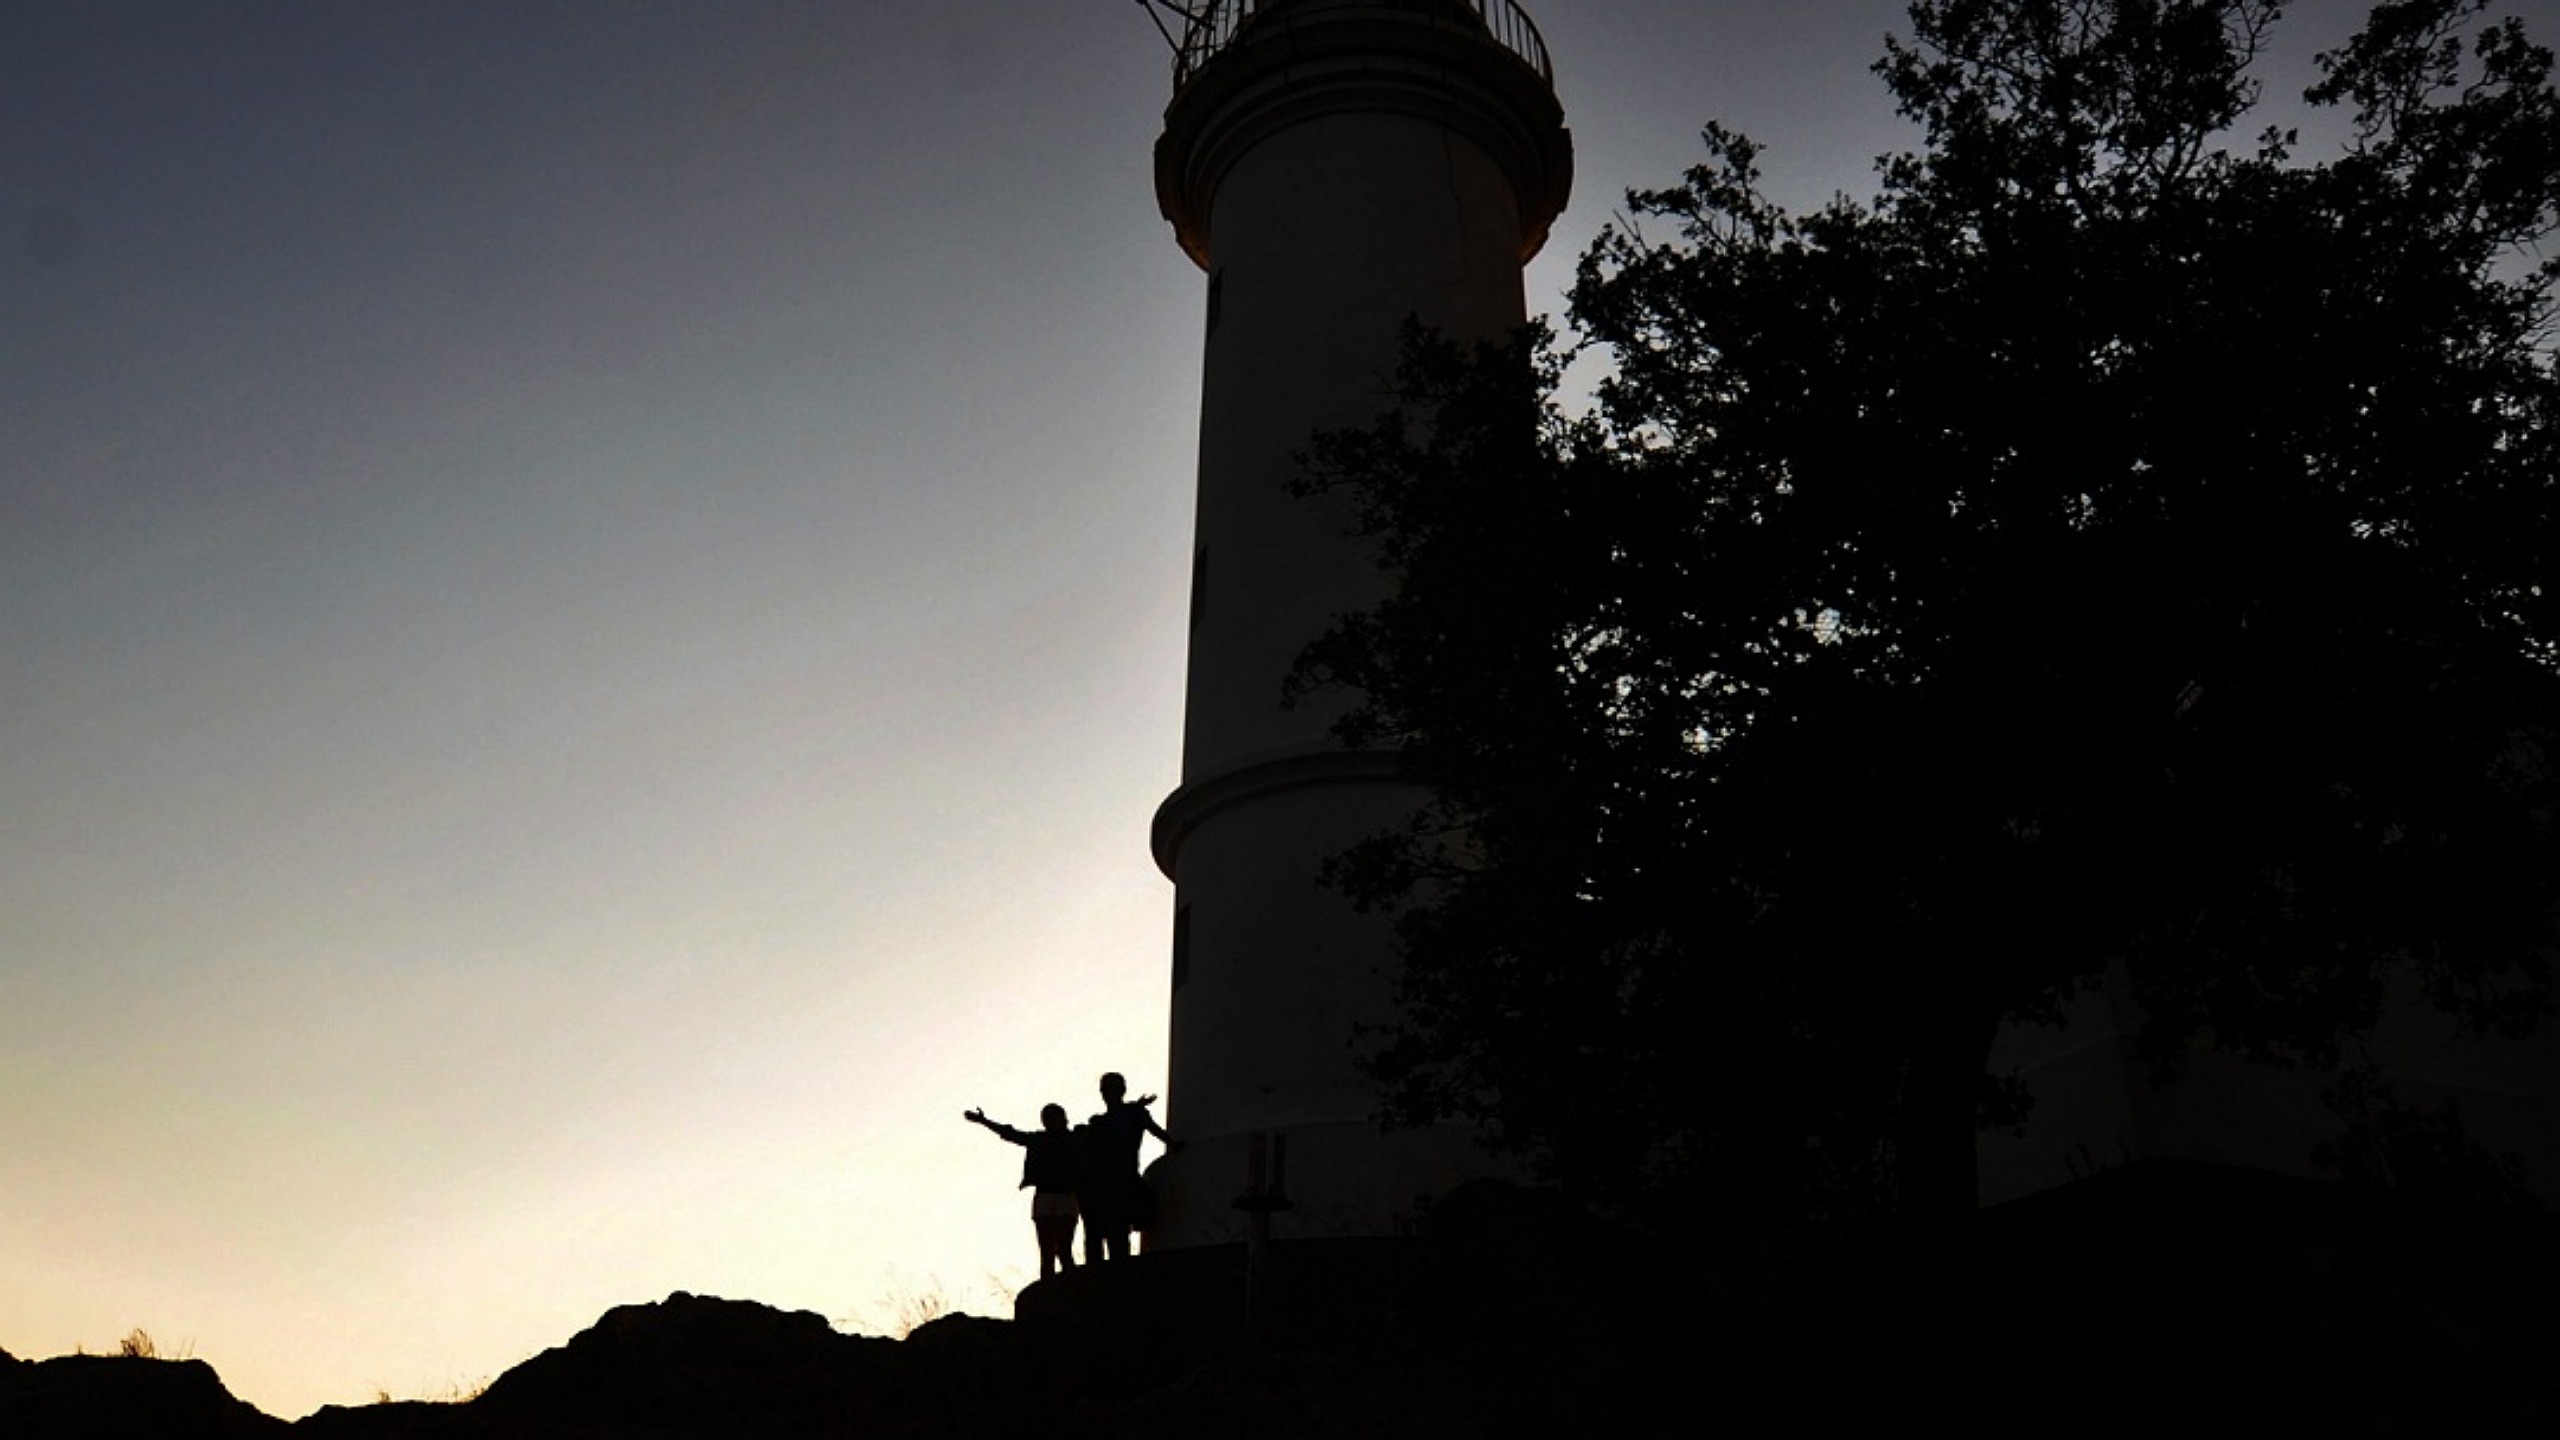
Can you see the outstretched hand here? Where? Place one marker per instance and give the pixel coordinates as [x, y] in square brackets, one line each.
[1143, 1101]
[976, 1117]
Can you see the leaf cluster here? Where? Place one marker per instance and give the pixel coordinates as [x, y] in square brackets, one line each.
[2100, 547]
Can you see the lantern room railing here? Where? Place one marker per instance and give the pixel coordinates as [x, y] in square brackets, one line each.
[1212, 25]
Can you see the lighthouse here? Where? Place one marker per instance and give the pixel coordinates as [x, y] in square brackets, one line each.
[1335, 168]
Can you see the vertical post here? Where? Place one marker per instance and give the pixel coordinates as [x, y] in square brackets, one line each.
[1265, 1192]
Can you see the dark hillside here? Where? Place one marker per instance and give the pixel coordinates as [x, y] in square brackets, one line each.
[2157, 1299]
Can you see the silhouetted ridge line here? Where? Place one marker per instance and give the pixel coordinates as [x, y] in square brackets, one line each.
[2159, 1298]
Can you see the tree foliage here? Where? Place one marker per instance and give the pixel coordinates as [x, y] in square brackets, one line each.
[2113, 543]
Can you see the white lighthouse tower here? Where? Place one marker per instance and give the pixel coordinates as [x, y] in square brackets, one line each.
[1336, 167]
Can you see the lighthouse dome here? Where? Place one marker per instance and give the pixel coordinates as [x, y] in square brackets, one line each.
[1245, 69]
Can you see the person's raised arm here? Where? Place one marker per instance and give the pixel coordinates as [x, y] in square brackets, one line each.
[979, 1117]
[1149, 1120]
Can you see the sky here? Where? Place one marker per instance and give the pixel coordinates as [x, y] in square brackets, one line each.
[591, 618]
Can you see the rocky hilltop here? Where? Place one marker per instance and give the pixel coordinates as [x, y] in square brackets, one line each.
[2160, 1299]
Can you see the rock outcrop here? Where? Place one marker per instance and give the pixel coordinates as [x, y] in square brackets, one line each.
[119, 1397]
[2163, 1299]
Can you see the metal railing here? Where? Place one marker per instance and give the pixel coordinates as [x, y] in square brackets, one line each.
[1211, 25]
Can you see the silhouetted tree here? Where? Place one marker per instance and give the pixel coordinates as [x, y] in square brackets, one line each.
[2104, 546]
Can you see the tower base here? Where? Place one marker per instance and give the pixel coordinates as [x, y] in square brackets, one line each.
[1342, 1179]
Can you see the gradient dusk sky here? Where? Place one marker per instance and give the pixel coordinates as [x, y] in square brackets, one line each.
[591, 616]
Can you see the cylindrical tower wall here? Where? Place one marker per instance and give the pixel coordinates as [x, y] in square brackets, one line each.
[1342, 169]
[1327, 237]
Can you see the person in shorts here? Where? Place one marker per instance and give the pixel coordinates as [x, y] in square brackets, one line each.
[1049, 1172]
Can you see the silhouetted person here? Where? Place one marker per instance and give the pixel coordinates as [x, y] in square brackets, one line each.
[1049, 1167]
[1112, 1193]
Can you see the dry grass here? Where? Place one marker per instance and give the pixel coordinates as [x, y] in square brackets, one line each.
[910, 1310]
[137, 1344]
[907, 1306]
